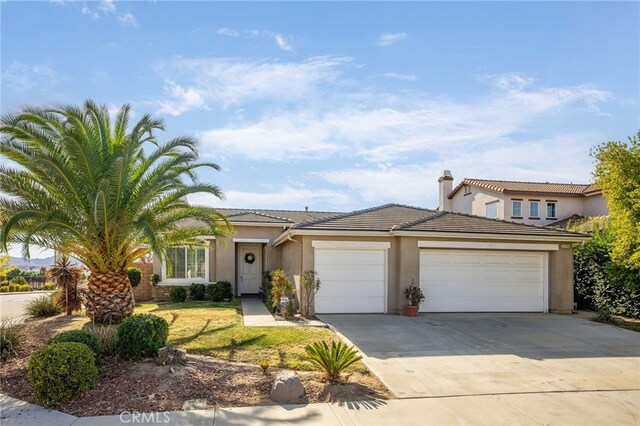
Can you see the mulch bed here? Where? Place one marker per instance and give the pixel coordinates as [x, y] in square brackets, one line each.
[144, 386]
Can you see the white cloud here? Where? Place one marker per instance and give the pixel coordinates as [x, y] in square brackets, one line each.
[388, 39]
[284, 196]
[107, 6]
[507, 81]
[181, 99]
[398, 76]
[283, 43]
[92, 13]
[127, 19]
[416, 183]
[227, 32]
[383, 128]
[22, 77]
[228, 81]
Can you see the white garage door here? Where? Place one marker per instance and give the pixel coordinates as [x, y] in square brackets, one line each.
[352, 280]
[482, 281]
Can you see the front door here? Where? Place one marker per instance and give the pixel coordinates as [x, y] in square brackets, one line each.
[249, 268]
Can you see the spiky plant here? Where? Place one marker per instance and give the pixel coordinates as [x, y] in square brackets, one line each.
[67, 277]
[332, 359]
[102, 189]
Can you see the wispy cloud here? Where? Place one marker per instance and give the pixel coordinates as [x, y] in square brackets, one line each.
[230, 81]
[384, 128]
[180, 99]
[21, 77]
[398, 76]
[387, 39]
[223, 31]
[283, 42]
[127, 19]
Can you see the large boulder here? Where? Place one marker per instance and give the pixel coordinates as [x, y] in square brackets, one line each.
[287, 387]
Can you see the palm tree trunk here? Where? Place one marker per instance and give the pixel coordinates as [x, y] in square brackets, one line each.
[109, 297]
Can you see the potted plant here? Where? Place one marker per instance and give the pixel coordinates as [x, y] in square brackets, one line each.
[415, 296]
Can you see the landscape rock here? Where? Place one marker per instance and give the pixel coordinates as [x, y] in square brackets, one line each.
[195, 404]
[169, 355]
[287, 387]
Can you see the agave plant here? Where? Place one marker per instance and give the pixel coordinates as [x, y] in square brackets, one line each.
[67, 277]
[101, 189]
[332, 360]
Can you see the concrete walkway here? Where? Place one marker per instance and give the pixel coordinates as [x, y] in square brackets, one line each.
[255, 314]
[554, 408]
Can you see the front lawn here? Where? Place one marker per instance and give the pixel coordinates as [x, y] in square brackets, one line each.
[216, 329]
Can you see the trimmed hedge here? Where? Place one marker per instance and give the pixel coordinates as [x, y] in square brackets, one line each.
[61, 371]
[19, 281]
[198, 291]
[140, 336]
[135, 276]
[178, 294]
[79, 336]
[220, 291]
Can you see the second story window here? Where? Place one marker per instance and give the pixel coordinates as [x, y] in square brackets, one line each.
[534, 209]
[551, 209]
[516, 208]
[491, 210]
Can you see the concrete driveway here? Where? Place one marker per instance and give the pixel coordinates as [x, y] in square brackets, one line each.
[438, 355]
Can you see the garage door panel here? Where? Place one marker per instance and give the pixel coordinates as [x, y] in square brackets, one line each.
[352, 280]
[477, 281]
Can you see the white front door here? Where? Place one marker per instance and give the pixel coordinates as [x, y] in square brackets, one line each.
[249, 268]
[482, 281]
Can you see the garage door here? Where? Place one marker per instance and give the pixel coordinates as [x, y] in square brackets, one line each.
[482, 281]
[352, 280]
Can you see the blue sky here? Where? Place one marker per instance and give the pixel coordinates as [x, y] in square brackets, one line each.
[339, 106]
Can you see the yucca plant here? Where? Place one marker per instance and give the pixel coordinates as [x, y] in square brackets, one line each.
[103, 190]
[67, 277]
[332, 360]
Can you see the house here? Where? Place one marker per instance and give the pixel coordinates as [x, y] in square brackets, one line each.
[365, 259]
[533, 203]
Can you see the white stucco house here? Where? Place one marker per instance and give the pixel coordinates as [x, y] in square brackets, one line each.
[531, 203]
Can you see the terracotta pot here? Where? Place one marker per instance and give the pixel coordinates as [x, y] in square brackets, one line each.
[411, 311]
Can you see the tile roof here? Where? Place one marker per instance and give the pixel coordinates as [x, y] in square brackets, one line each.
[463, 223]
[274, 216]
[380, 218]
[529, 187]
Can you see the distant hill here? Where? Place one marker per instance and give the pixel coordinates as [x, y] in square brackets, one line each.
[32, 263]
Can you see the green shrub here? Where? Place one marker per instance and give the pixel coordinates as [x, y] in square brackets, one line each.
[25, 287]
[42, 307]
[141, 336]
[106, 335]
[61, 371]
[4, 289]
[281, 286]
[178, 294]
[198, 291]
[79, 336]
[332, 360]
[12, 335]
[155, 279]
[4, 283]
[19, 280]
[49, 286]
[220, 291]
[13, 287]
[600, 283]
[604, 315]
[135, 276]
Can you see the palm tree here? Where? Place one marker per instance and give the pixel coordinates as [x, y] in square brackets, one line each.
[102, 190]
[67, 277]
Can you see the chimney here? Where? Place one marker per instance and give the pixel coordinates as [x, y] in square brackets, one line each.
[445, 185]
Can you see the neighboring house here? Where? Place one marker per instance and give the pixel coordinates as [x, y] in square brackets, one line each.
[532, 203]
[365, 259]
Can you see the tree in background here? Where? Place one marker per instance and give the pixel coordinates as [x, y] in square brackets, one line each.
[618, 174]
[103, 190]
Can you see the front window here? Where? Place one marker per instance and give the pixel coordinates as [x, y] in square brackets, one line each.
[491, 210]
[551, 210]
[186, 263]
[516, 210]
[534, 209]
